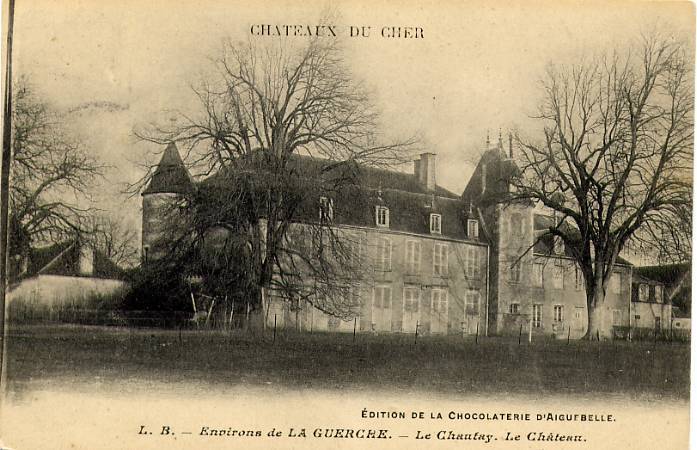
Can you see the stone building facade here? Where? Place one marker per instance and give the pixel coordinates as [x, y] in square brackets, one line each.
[436, 262]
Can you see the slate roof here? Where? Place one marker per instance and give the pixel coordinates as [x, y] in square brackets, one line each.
[361, 188]
[668, 274]
[64, 259]
[171, 175]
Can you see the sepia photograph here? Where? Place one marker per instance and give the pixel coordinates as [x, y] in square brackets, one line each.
[346, 224]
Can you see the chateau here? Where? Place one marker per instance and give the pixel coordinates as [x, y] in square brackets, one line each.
[435, 261]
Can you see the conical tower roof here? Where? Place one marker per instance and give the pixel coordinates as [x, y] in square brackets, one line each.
[171, 175]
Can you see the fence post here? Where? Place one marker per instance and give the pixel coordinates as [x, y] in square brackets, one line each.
[530, 333]
[416, 331]
[476, 336]
[520, 333]
[354, 328]
[274, 328]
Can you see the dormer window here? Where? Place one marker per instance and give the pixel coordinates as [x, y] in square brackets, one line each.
[435, 223]
[382, 216]
[472, 228]
[326, 209]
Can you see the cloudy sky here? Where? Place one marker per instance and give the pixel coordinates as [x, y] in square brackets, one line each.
[121, 64]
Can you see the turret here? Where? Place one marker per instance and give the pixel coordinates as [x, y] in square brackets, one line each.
[169, 182]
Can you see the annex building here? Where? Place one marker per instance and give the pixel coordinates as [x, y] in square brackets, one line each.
[435, 261]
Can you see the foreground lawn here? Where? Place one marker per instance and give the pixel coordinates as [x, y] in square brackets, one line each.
[44, 355]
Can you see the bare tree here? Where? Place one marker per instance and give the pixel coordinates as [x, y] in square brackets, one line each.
[270, 104]
[51, 174]
[615, 162]
[114, 239]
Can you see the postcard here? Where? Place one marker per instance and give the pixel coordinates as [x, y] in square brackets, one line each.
[391, 224]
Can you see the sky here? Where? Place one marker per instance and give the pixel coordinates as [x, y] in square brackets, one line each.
[112, 66]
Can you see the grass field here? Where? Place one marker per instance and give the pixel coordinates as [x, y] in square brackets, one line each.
[56, 354]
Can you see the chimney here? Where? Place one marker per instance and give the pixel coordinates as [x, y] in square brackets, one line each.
[426, 169]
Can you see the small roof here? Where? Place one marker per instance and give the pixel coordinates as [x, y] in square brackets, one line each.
[171, 175]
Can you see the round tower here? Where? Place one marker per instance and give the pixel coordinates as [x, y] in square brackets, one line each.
[169, 182]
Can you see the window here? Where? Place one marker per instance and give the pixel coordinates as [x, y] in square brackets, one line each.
[558, 245]
[643, 292]
[383, 297]
[558, 313]
[439, 311]
[382, 216]
[472, 265]
[659, 294]
[538, 274]
[637, 317]
[616, 317]
[384, 256]
[537, 316]
[615, 282]
[413, 257]
[472, 228]
[326, 209]
[439, 301]
[440, 259]
[558, 275]
[514, 272]
[472, 303]
[578, 281]
[578, 314]
[514, 308]
[516, 227]
[411, 299]
[435, 223]
[382, 313]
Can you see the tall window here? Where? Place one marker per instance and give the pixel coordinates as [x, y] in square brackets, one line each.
[382, 216]
[659, 293]
[537, 274]
[558, 275]
[472, 264]
[472, 303]
[439, 302]
[558, 313]
[578, 278]
[558, 245]
[643, 292]
[537, 316]
[435, 223]
[615, 282]
[472, 228]
[440, 259]
[413, 257]
[326, 209]
[382, 308]
[384, 254]
[411, 299]
[514, 308]
[514, 272]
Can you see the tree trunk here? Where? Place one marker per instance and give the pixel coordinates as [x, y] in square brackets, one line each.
[596, 304]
